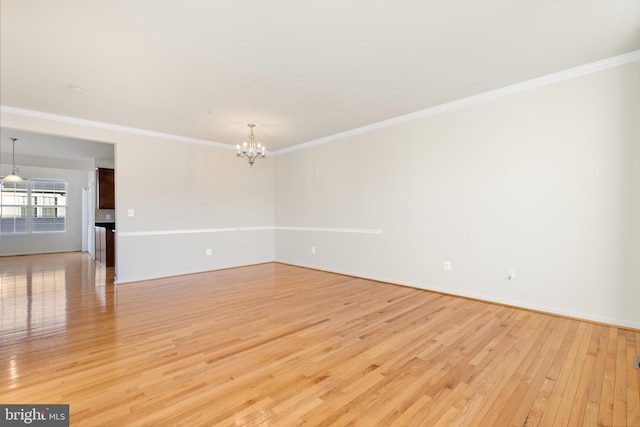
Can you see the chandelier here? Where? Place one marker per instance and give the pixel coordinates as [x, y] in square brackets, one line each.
[251, 151]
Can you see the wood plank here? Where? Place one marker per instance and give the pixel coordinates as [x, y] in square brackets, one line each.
[633, 383]
[276, 344]
[620, 388]
[605, 412]
[597, 381]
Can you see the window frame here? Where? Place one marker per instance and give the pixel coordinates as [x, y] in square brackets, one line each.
[37, 188]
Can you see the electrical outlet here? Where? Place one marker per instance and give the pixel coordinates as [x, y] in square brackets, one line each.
[636, 362]
[208, 252]
[313, 250]
[512, 273]
[446, 266]
[130, 212]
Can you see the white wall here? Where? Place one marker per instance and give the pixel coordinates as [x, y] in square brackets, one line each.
[188, 198]
[545, 181]
[182, 195]
[37, 243]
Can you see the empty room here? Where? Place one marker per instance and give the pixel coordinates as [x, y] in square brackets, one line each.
[381, 213]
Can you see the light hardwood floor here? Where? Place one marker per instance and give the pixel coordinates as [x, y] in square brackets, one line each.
[274, 344]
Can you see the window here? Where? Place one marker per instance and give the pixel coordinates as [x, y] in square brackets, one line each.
[14, 204]
[33, 206]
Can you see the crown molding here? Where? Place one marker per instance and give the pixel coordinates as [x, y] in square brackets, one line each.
[486, 96]
[475, 99]
[109, 126]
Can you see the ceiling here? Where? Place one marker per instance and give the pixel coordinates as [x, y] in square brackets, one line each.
[299, 70]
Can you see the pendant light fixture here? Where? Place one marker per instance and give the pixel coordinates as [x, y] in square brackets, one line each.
[251, 151]
[13, 176]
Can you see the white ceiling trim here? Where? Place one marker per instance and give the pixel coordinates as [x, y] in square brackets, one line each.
[486, 96]
[109, 126]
